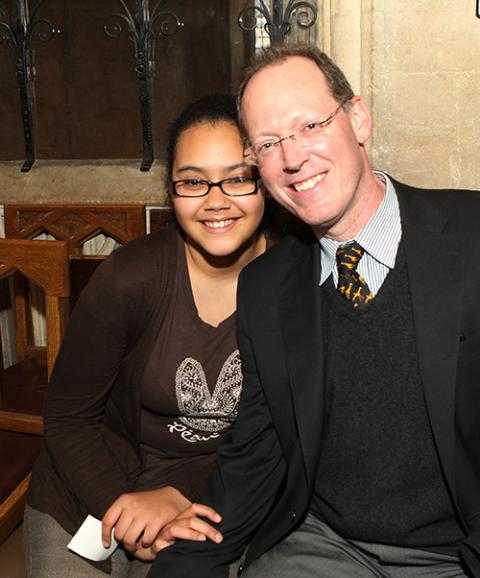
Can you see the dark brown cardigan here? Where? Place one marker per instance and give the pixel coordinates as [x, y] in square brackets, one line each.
[91, 451]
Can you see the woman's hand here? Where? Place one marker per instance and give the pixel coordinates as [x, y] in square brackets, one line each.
[141, 515]
[139, 518]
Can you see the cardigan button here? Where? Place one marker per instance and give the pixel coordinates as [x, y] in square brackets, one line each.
[293, 517]
[240, 570]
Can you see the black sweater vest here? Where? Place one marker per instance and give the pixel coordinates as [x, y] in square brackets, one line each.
[379, 478]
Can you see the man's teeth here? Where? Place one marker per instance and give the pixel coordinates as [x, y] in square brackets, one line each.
[308, 184]
[218, 224]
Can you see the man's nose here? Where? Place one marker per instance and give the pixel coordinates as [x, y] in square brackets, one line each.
[293, 154]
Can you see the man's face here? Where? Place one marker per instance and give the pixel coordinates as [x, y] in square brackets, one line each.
[323, 184]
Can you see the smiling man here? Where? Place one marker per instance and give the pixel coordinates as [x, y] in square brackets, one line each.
[355, 453]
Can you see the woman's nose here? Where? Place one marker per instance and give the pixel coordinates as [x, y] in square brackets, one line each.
[216, 199]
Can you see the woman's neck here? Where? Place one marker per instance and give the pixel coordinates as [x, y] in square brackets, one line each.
[223, 267]
[214, 279]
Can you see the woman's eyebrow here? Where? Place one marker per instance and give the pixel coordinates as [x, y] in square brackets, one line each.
[187, 168]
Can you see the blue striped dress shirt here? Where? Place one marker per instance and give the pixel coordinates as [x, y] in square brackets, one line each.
[379, 237]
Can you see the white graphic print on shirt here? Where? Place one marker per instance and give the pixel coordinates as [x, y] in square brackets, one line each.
[200, 409]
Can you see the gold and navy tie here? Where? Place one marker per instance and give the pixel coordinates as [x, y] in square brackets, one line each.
[350, 283]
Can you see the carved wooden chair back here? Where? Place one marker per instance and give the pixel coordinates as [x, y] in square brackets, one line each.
[80, 225]
[22, 389]
[75, 224]
[44, 263]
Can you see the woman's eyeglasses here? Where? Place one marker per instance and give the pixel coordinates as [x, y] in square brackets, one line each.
[232, 187]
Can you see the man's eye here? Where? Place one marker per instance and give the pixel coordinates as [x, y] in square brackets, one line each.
[265, 147]
[312, 126]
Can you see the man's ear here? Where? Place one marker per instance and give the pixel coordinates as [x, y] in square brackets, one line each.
[360, 119]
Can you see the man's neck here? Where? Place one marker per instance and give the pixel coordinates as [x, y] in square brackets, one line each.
[371, 192]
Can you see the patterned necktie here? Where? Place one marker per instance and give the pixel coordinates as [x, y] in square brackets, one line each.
[350, 283]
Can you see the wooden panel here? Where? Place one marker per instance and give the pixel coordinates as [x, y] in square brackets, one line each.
[87, 96]
[159, 217]
[23, 386]
[75, 224]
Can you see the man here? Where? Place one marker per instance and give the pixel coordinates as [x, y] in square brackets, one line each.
[356, 450]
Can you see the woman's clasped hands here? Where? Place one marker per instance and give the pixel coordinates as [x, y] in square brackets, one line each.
[145, 522]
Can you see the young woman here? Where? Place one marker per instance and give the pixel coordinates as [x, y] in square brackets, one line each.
[148, 378]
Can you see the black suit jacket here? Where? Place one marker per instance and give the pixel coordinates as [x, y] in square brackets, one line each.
[266, 468]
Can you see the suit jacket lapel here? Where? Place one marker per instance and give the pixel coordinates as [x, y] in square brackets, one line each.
[300, 306]
[434, 262]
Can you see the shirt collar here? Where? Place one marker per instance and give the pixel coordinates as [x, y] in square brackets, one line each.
[379, 237]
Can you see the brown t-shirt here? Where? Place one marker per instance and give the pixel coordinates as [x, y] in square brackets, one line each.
[93, 444]
[189, 393]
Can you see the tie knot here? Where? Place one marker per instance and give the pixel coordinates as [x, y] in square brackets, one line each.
[351, 284]
[348, 256]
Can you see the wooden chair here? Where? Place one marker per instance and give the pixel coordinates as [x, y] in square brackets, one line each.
[44, 263]
[17, 455]
[23, 385]
[77, 224]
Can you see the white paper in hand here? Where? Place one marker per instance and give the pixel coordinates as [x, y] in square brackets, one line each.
[88, 541]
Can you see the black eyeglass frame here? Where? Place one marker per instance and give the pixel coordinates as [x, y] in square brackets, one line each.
[211, 184]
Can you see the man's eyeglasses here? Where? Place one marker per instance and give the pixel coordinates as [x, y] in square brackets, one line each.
[233, 187]
[309, 135]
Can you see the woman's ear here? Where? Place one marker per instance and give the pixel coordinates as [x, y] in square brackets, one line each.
[169, 195]
[263, 190]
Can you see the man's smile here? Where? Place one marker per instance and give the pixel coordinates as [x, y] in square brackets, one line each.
[308, 183]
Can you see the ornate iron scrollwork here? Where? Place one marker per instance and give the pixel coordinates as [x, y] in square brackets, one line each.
[142, 28]
[19, 35]
[278, 22]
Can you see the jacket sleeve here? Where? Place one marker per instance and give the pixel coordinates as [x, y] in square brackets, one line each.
[88, 363]
[242, 488]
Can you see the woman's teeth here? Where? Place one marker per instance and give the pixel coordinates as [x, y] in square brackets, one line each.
[218, 224]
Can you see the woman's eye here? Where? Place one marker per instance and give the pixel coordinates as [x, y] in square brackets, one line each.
[192, 183]
[238, 180]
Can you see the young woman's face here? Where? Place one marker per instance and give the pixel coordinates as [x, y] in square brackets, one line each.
[216, 224]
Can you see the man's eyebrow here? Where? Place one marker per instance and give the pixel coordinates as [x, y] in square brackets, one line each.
[241, 165]
[296, 120]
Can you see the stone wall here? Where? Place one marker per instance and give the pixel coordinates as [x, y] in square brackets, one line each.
[82, 182]
[417, 63]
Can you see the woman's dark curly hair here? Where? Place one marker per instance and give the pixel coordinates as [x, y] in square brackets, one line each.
[213, 108]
